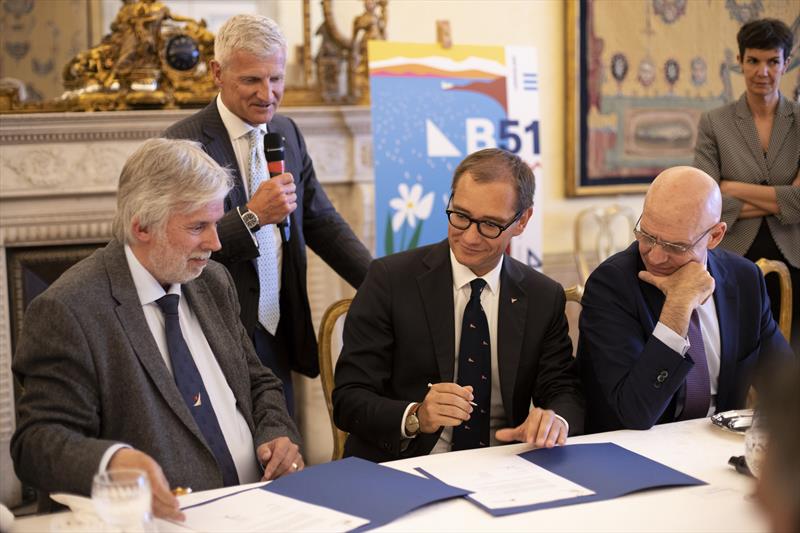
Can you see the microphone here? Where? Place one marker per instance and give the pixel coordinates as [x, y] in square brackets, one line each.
[275, 155]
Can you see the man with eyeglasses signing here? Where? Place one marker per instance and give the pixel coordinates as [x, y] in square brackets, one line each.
[455, 345]
[674, 328]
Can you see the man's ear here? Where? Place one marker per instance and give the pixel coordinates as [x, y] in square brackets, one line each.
[216, 70]
[523, 221]
[141, 233]
[716, 235]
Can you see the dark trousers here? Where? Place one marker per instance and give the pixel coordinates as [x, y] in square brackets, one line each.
[764, 246]
[274, 354]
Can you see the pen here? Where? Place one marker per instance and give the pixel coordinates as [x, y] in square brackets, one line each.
[473, 404]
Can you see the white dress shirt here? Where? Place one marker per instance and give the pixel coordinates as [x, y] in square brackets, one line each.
[239, 133]
[709, 326]
[234, 427]
[490, 298]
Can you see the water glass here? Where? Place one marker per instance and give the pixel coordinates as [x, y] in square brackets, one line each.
[122, 499]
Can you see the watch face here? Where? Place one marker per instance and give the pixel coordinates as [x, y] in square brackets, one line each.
[182, 52]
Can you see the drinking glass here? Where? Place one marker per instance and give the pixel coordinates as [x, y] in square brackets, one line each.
[122, 499]
[755, 443]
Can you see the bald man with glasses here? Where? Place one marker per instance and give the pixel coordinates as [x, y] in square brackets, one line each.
[455, 345]
[674, 328]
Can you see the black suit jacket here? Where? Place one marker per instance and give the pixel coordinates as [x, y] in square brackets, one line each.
[315, 221]
[620, 359]
[399, 336]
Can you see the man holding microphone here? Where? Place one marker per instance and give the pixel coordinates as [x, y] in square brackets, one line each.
[269, 221]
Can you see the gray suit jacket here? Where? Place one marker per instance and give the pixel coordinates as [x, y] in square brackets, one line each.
[728, 148]
[93, 376]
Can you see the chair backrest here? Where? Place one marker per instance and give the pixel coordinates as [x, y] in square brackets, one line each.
[600, 232]
[326, 364]
[574, 293]
[785, 316]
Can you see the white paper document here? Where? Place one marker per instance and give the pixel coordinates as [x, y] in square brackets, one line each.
[507, 481]
[260, 510]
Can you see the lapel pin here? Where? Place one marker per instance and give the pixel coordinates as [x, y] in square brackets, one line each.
[513, 300]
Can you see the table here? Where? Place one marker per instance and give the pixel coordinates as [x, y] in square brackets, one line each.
[694, 447]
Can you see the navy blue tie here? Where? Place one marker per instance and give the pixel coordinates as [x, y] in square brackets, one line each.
[475, 368]
[190, 385]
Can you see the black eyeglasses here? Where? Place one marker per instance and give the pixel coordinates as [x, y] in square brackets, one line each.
[672, 248]
[490, 230]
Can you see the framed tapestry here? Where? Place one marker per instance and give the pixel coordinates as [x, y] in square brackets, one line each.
[639, 75]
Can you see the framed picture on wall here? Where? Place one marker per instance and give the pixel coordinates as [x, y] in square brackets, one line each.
[640, 74]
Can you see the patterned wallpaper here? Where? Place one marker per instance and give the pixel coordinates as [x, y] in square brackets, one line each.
[39, 37]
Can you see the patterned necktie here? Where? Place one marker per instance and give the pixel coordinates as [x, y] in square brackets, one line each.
[475, 368]
[698, 387]
[190, 385]
[269, 307]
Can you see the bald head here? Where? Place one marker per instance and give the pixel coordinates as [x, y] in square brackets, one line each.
[684, 193]
[682, 207]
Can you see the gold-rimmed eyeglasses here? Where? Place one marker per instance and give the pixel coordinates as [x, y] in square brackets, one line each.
[673, 248]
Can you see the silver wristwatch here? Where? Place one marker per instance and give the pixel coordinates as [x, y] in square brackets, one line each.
[250, 219]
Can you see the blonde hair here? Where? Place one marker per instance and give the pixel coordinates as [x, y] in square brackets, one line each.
[161, 177]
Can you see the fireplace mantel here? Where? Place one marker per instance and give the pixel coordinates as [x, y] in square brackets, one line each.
[58, 176]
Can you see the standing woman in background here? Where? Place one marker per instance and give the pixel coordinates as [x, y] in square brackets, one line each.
[752, 148]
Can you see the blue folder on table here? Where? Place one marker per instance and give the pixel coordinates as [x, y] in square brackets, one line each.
[361, 488]
[609, 470]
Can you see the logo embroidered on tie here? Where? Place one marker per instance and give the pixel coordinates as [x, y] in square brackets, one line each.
[483, 377]
[513, 300]
[197, 400]
[485, 343]
[472, 326]
[470, 359]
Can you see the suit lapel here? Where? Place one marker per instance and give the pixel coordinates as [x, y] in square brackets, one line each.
[436, 291]
[726, 302]
[217, 143]
[131, 317]
[219, 339]
[512, 313]
[747, 128]
[780, 130]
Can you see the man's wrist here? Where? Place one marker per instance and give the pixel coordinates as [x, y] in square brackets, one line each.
[249, 218]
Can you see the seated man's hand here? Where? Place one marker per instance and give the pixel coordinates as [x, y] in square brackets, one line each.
[685, 289]
[542, 428]
[165, 504]
[446, 404]
[279, 456]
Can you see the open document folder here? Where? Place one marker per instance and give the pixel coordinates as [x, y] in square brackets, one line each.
[554, 477]
[338, 496]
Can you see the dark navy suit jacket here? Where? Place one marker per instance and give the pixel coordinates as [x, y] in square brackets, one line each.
[315, 222]
[620, 360]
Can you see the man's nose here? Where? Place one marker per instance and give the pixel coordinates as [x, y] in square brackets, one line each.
[211, 239]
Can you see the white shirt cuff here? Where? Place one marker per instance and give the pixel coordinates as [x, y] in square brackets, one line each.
[109, 453]
[252, 235]
[403, 422]
[563, 420]
[673, 341]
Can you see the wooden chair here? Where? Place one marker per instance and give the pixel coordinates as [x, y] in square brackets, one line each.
[326, 329]
[574, 293]
[785, 317]
[600, 232]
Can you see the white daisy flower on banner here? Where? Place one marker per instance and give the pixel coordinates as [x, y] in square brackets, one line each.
[411, 205]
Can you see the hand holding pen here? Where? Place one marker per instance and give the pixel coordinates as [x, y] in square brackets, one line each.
[446, 404]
